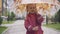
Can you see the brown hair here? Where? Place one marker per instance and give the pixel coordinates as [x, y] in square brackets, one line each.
[27, 6]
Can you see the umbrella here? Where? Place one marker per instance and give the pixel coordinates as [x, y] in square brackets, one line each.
[35, 1]
[46, 5]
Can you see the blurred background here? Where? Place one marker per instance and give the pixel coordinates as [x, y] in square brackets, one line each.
[12, 11]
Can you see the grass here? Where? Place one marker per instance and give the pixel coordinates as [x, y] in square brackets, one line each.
[8, 22]
[2, 28]
[55, 26]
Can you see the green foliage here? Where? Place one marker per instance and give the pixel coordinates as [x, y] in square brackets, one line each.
[57, 16]
[8, 17]
[59, 0]
[8, 13]
[1, 19]
[11, 16]
[46, 19]
[55, 26]
[2, 28]
[7, 22]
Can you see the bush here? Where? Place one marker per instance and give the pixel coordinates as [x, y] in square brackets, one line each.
[12, 16]
[59, 0]
[57, 16]
[1, 20]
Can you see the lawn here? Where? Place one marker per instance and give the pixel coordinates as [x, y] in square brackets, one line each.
[55, 26]
[2, 28]
[8, 22]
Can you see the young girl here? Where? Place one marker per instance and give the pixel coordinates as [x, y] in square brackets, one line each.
[33, 20]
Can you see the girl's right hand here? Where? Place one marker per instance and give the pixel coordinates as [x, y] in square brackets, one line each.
[35, 28]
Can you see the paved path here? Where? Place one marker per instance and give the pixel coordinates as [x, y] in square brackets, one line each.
[18, 28]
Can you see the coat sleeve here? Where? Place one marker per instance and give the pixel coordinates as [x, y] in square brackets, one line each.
[28, 24]
[40, 19]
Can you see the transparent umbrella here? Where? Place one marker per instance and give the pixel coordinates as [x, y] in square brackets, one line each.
[48, 6]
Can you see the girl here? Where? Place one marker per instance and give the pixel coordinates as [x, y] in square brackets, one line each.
[33, 20]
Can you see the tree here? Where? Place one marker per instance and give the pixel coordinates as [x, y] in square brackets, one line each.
[1, 20]
[59, 0]
[12, 15]
[9, 15]
[46, 19]
[57, 16]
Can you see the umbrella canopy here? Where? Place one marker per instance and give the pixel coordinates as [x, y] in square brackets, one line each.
[48, 6]
[36, 1]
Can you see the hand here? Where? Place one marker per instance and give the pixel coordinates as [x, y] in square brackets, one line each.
[35, 28]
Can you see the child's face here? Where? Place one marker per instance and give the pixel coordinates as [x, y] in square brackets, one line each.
[31, 8]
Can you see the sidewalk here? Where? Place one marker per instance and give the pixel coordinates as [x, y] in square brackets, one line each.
[18, 28]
